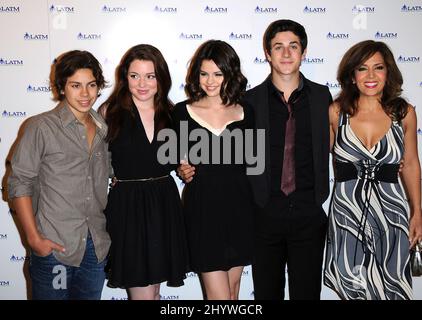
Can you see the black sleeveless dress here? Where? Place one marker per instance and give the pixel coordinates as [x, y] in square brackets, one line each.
[144, 218]
[218, 204]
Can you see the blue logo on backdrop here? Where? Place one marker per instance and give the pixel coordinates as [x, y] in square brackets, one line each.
[3, 236]
[190, 36]
[89, 36]
[9, 9]
[61, 9]
[313, 60]
[419, 132]
[406, 8]
[11, 62]
[182, 86]
[259, 9]
[118, 298]
[108, 9]
[420, 84]
[260, 61]
[209, 9]
[314, 10]
[14, 258]
[335, 36]
[32, 36]
[163, 297]
[240, 36]
[359, 8]
[404, 59]
[386, 35]
[248, 86]
[15, 114]
[4, 283]
[191, 275]
[332, 85]
[165, 9]
[38, 88]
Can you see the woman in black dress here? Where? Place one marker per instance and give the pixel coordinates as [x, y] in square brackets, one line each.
[218, 201]
[144, 216]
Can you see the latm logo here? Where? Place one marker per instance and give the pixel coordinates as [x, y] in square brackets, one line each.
[336, 36]
[108, 9]
[15, 114]
[35, 89]
[406, 8]
[3, 236]
[332, 85]
[29, 36]
[260, 60]
[11, 62]
[259, 9]
[313, 60]
[419, 132]
[386, 35]
[190, 36]
[359, 8]
[4, 283]
[165, 9]
[314, 10]
[209, 9]
[62, 9]
[85, 36]
[14, 258]
[11, 9]
[404, 59]
[240, 36]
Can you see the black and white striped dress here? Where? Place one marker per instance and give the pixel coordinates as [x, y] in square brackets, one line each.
[367, 252]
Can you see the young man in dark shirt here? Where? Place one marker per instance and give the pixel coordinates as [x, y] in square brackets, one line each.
[290, 223]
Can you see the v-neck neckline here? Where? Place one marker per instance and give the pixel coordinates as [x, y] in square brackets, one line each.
[360, 140]
[143, 127]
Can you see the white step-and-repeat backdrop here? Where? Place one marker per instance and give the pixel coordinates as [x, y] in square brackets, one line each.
[34, 32]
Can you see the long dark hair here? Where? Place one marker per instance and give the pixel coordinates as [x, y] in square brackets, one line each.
[120, 100]
[392, 103]
[227, 60]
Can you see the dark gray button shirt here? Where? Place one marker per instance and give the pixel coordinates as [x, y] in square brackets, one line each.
[67, 182]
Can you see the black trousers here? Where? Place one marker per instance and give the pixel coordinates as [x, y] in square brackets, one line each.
[292, 235]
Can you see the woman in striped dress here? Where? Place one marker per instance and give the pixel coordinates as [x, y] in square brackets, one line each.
[371, 226]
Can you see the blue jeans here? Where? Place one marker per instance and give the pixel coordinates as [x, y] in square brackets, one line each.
[52, 280]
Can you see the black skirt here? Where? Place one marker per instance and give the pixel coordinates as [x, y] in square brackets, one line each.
[146, 227]
[218, 206]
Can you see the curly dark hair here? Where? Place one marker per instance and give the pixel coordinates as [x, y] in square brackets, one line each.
[392, 103]
[67, 64]
[120, 100]
[227, 60]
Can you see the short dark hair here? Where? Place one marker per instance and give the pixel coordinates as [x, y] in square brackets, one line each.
[392, 103]
[227, 60]
[121, 101]
[65, 65]
[284, 25]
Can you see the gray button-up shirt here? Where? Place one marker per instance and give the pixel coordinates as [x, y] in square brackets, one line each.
[67, 182]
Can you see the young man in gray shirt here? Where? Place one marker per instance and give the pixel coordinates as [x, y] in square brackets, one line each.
[58, 185]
